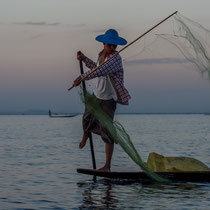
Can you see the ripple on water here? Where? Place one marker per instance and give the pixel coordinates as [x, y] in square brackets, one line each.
[39, 157]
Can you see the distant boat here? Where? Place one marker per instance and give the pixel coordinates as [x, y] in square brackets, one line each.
[57, 115]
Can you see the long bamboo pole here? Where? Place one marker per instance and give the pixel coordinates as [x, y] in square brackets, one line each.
[125, 47]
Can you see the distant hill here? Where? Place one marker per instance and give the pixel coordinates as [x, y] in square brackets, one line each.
[27, 112]
[32, 112]
[46, 112]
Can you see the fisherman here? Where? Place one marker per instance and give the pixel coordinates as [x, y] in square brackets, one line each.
[109, 89]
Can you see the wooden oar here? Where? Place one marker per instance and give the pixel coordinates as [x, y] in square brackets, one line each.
[89, 135]
[125, 48]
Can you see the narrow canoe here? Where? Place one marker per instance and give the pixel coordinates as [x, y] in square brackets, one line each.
[62, 115]
[194, 176]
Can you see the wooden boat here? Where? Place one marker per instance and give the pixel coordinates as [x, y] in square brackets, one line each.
[62, 115]
[56, 115]
[195, 176]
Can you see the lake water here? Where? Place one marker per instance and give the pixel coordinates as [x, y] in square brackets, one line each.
[39, 157]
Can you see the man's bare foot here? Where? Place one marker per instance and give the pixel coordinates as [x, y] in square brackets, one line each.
[84, 140]
[82, 144]
[104, 169]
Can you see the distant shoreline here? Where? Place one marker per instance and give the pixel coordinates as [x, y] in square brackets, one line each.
[146, 113]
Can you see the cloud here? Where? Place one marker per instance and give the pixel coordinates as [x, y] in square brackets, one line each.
[36, 36]
[79, 25]
[98, 31]
[41, 23]
[150, 61]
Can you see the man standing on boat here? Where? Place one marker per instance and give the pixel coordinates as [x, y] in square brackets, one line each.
[109, 89]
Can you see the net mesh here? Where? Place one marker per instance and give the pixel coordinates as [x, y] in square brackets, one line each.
[180, 34]
[193, 41]
[118, 133]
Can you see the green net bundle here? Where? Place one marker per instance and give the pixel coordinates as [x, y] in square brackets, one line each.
[118, 133]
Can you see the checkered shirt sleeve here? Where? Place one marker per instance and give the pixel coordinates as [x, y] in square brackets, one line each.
[114, 69]
[110, 67]
[89, 63]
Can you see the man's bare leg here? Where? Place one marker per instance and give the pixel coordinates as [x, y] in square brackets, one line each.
[84, 140]
[109, 148]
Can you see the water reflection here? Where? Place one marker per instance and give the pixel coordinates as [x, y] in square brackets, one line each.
[111, 194]
[108, 194]
[98, 194]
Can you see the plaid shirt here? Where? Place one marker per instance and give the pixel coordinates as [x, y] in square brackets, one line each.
[114, 69]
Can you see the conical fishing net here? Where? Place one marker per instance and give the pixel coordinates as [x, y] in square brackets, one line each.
[180, 34]
[193, 41]
[118, 133]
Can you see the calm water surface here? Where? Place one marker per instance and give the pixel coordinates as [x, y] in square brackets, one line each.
[39, 157]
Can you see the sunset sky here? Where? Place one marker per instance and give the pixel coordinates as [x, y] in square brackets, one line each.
[39, 40]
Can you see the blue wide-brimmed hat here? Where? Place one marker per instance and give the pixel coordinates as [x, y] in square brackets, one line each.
[111, 36]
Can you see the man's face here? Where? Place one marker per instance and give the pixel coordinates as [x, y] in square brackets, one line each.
[109, 48]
